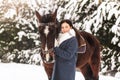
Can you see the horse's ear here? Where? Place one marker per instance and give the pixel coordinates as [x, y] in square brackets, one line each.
[38, 15]
[55, 14]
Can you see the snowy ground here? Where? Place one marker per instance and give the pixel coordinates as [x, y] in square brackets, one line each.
[13, 71]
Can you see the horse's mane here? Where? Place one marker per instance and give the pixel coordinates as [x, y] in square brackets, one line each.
[92, 40]
[83, 36]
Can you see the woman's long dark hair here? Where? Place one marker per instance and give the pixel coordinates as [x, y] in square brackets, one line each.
[71, 25]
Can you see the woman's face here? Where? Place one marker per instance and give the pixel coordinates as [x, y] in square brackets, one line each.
[65, 27]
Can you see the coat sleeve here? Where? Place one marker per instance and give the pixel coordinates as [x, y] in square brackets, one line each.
[69, 52]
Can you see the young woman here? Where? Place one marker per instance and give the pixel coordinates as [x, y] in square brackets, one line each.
[65, 53]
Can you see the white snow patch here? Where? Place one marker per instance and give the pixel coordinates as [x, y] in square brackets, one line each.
[14, 71]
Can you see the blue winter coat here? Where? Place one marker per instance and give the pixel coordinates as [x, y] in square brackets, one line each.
[65, 60]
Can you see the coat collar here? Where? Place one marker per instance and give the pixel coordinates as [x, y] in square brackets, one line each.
[62, 37]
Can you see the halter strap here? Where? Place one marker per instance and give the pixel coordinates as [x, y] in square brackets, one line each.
[50, 23]
[48, 51]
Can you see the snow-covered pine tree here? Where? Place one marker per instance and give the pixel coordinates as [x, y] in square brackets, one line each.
[18, 31]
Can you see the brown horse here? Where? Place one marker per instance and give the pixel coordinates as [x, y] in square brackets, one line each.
[88, 62]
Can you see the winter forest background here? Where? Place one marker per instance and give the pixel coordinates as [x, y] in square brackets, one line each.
[19, 36]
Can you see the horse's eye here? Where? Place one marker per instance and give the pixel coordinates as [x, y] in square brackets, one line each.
[41, 29]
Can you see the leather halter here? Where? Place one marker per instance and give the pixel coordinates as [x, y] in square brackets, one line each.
[48, 51]
[51, 49]
[50, 23]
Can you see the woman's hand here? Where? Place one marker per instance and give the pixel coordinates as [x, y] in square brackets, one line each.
[56, 44]
[52, 54]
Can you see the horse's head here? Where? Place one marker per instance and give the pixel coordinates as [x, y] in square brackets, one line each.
[47, 29]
